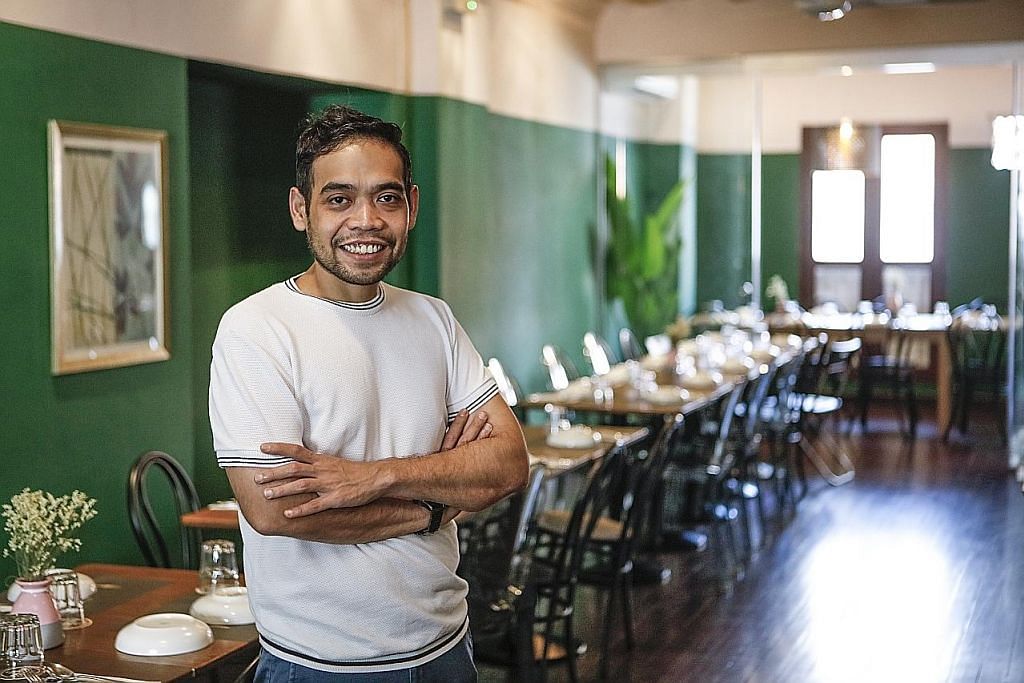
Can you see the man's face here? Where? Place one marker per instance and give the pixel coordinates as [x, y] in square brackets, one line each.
[359, 215]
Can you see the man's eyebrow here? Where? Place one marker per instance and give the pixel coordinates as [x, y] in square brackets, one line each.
[395, 186]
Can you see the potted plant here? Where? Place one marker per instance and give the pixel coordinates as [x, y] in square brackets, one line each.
[38, 525]
[642, 258]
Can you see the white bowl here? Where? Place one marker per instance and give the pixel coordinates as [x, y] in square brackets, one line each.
[577, 436]
[228, 606]
[169, 633]
[86, 585]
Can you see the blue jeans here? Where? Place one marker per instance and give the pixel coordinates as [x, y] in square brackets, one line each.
[454, 666]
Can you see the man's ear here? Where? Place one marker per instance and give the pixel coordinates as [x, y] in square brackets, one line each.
[414, 205]
[297, 209]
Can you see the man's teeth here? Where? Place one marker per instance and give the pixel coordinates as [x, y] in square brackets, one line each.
[362, 248]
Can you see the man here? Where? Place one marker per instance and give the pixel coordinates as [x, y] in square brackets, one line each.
[329, 399]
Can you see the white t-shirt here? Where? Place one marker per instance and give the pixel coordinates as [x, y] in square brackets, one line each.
[363, 381]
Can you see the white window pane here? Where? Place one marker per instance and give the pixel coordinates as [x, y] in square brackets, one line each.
[839, 285]
[907, 225]
[837, 216]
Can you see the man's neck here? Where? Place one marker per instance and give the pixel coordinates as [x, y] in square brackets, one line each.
[320, 283]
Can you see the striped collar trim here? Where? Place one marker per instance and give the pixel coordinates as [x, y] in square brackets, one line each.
[376, 302]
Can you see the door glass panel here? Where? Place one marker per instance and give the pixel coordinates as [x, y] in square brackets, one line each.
[837, 216]
[907, 212]
[837, 284]
[909, 285]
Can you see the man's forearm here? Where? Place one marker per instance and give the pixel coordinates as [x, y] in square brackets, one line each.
[382, 519]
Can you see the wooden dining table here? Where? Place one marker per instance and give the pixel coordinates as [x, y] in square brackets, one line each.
[125, 593]
[924, 328]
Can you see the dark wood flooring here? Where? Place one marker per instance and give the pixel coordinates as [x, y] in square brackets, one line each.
[912, 572]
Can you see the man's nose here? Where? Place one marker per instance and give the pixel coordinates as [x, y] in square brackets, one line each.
[367, 215]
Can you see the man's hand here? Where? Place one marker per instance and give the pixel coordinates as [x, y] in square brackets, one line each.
[342, 483]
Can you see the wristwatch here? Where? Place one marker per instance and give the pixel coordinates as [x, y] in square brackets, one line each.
[436, 514]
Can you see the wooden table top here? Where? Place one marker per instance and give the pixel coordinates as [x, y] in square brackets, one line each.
[205, 518]
[125, 593]
[628, 402]
[561, 460]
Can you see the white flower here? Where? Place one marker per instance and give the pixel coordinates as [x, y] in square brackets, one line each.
[38, 524]
[777, 288]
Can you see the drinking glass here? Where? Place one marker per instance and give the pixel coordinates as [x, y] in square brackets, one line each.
[218, 566]
[21, 646]
[67, 594]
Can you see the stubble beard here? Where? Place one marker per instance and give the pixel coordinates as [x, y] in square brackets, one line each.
[326, 258]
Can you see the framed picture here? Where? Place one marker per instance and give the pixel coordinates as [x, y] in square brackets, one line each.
[108, 237]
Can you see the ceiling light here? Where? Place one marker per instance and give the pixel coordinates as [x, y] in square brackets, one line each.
[846, 70]
[826, 10]
[909, 68]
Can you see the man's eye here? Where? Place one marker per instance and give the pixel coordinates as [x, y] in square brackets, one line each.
[337, 200]
[390, 198]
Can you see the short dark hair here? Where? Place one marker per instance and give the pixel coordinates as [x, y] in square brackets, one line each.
[337, 125]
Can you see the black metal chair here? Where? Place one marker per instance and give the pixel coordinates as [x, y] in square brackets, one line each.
[890, 368]
[614, 543]
[630, 346]
[145, 525]
[977, 341]
[820, 395]
[561, 370]
[495, 561]
[508, 387]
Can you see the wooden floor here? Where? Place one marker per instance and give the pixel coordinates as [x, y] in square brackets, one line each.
[912, 572]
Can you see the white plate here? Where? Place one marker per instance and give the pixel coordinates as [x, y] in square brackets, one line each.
[169, 633]
[577, 436]
[228, 606]
[86, 585]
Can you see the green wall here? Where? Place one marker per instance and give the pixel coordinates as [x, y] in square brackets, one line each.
[723, 226]
[780, 221]
[977, 249]
[518, 204]
[83, 431]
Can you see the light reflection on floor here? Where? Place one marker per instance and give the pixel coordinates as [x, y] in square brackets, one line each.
[880, 608]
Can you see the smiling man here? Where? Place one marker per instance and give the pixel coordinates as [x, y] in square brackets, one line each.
[354, 420]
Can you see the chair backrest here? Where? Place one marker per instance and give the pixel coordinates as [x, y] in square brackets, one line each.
[507, 385]
[838, 361]
[145, 526]
[630, 345]
[561, 370]
[978, 343]
[597, 351]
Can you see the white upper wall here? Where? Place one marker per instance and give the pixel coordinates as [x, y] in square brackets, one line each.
[520, 58]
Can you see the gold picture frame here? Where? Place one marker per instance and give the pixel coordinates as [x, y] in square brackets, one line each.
[108, 246]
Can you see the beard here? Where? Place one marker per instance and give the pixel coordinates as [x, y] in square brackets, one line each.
[368, 275]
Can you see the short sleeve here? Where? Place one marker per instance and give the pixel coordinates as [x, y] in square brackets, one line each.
[252, 398]
[470, 384]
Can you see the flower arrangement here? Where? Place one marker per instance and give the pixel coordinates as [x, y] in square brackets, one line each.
[777, 289]
[38, 524]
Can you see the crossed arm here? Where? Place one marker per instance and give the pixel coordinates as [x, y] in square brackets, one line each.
[335, 500]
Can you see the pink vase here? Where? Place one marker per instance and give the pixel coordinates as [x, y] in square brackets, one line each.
[35, 599]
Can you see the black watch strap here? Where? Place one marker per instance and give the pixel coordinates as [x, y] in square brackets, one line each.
[436, 515]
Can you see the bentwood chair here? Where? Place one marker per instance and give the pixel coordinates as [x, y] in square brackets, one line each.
[598, 352]
[146, 527]
[614, 544]
[508, 387]
[630, 345]
[495, 561]
[890, 368]
[978, 344]
[561, 370]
